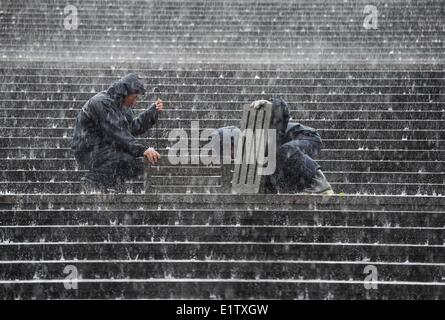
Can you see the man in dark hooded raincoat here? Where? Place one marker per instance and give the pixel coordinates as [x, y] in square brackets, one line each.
[104, 140]
[297, 169]
[297, 148]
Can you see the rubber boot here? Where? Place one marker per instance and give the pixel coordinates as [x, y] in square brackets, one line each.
[319, 184]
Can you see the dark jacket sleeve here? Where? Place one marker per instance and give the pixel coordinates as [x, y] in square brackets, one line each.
[279, 119]
[143, 121]
[109, 122]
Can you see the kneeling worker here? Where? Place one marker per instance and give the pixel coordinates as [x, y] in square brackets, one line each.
[104, 136]
[297, 171]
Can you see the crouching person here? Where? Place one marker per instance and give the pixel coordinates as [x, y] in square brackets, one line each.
[297, 170]
[104, 140]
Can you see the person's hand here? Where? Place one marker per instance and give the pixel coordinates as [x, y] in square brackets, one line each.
[159, 105]
[152, 155]
[259, 103]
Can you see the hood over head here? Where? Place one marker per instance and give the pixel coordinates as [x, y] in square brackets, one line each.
[130, 84]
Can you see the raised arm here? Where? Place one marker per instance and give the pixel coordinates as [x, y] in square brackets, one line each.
[143, 121]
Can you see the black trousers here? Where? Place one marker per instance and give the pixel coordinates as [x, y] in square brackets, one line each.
[296, 165]
[108, 166]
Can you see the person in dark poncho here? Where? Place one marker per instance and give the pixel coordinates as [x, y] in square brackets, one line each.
[297, 170]
[297, 148]
[104, 140]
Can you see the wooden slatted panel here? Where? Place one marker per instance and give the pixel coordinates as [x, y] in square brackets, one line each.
[245, 177]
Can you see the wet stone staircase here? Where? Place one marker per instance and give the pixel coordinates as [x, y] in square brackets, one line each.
[376, 96]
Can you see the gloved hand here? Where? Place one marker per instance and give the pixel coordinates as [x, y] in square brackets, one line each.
[259, 104]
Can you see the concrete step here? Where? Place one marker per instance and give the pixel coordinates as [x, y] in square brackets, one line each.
[192, 269]
[170, 176]
[319, 26]
[224, 71]
[219, 289]
[208, 50]
[432, 88]
[328, 165]
[331, 57]
[164, 132]
[274, 216]
[223, 201]
[333, 154]
[275, 41]
[246, 10]
[242, 97]
[365, 144]
[151, 78]
[222, 251]
[74, 105]
[342, 125]
[225, 234]
[215, 21]
[211, 187]
[185, 177]
[293, 51]
[306, 24]
[241, 200]
[165, 122]
[340, 187]
[300, 115]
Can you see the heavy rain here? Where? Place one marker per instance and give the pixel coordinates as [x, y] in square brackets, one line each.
[94, 205]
